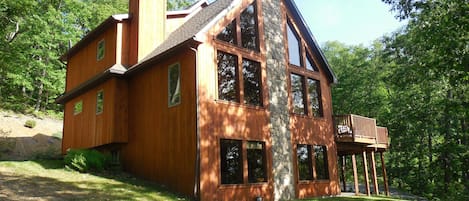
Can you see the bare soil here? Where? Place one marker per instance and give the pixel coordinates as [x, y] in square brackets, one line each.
[18, 142]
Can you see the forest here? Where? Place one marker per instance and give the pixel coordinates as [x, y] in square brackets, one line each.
[415, 81]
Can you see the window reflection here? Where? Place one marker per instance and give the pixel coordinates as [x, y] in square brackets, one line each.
[256, 162]
[228, 34]
[227, 77]
[320, 156]
[314, 97]
[297, 90]
[303, 153]
[248, 24]
[294, 52]
[231, 161]
[252, 82]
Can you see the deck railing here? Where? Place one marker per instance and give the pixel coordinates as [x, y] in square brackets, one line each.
[382, 137]
[359, 129]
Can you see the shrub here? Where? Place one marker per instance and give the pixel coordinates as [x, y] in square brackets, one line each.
[30, 124]
[85, 160]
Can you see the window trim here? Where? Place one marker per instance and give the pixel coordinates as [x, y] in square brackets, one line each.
[312, 155]
[172, 66]
[75, 107]
[101, 91]
[100, 44]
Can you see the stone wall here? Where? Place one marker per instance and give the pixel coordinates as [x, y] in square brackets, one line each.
[278, 98]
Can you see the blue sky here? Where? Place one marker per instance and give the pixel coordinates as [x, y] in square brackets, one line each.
[352, 22]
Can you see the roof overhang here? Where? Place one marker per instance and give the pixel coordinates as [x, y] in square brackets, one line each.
[112, 20]
[310, 39]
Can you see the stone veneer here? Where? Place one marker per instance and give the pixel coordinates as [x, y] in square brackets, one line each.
[278, 98]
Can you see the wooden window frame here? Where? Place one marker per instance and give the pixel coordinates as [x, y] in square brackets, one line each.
[75, 112]
[101, 46]
[170, 67]
[312, 155]
[98, 102]
[244, 161]
[302, 70]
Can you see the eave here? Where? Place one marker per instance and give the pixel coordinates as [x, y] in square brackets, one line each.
[112, 20]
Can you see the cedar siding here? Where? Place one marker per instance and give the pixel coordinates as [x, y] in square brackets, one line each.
[162, 139]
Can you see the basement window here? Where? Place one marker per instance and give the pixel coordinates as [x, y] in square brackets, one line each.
[100, 50]
[174, 85]
[78, 107]
[99, 102]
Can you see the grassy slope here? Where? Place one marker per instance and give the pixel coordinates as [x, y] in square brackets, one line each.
[355, 198]
[50, 181]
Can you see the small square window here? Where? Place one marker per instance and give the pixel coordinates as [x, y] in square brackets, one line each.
[78, 107]
[100, 50]
[99, 102]
[174, 85]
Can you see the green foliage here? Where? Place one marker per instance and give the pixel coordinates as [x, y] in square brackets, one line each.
[30, 123]
[85, 160]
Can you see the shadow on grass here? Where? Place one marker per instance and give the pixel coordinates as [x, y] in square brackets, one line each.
[130, 189]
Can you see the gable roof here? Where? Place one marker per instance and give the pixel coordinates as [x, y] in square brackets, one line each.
[309, 38]
[189, 30]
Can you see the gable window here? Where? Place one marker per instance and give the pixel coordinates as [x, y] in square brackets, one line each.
[247, 24]
[78, 107]
[256, 162]
[294, 48]
[99, 102]
[174, 85]
[232, 161]
[312, 162]
[100, 50]
[305, 87]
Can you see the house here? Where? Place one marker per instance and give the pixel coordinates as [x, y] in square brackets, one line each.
[228, 100]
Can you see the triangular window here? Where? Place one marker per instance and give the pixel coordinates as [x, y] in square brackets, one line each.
[247, 23]
[310, 63]
[294, 48]
[228, 34]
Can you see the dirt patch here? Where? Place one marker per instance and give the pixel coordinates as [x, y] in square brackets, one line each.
[18, 142]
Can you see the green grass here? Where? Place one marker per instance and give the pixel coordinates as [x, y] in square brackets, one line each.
[355, 198]
[48, 179]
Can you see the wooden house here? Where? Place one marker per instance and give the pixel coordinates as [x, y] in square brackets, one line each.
[228, 100]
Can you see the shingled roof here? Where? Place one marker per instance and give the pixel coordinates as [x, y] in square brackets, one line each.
[188, 31]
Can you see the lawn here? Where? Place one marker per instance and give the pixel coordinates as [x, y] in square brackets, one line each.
[354, 198]
[49, 180]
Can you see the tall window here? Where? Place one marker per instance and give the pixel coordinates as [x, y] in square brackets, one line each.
[320, 156]
[312, 162]
[100, 50]
[305, 168]
[78, 107]
[256, 162]
[305, 87]
[99, 102]
[228, 83]
[231, 161]
[238, 67]
[174, 85]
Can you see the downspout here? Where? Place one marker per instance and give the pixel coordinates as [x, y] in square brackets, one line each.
[197, 132]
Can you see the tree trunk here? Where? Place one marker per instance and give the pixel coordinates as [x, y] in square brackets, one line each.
[40, 93]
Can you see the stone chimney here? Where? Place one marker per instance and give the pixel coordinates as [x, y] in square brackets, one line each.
[147, 27]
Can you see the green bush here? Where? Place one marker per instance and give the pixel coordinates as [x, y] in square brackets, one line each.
[85, 160]
[30, 124]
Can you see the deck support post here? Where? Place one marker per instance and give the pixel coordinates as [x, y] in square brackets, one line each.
[365, 170]
[373, 171]
[342, 168]
[385, 178]
[355, 174]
